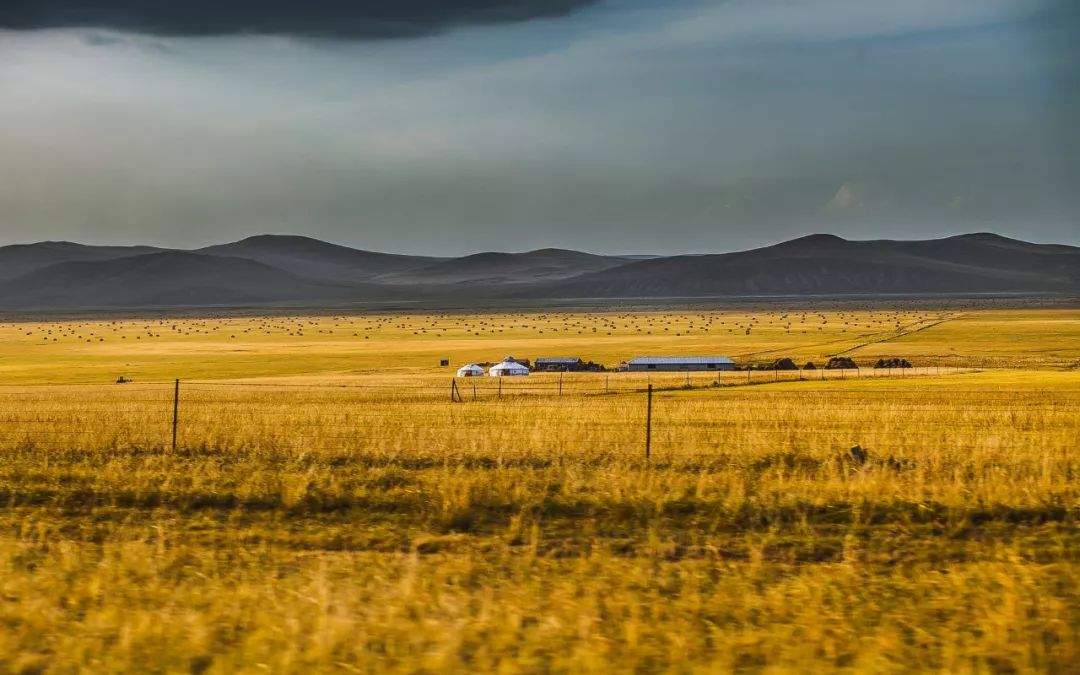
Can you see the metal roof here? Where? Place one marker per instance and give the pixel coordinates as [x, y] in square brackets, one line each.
[678, 360]
[558, 359]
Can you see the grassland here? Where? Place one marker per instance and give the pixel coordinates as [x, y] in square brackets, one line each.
[161, 348]
[328, 508]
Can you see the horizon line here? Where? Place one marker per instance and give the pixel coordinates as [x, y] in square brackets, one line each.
[280, 235]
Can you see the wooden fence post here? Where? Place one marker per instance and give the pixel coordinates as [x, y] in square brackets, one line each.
[648, 424]
[175, 411]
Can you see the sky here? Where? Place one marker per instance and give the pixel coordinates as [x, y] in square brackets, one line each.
[455, 126]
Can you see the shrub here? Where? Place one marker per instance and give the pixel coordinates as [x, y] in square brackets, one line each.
[841, 363]
[893, 363]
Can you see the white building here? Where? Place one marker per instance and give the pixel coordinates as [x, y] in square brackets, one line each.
[470, 370]
[508, 367]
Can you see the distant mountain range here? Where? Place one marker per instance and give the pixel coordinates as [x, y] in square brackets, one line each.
[294, 270]
[824, 264]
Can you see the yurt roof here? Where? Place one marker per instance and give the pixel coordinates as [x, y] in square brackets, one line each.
[508, 365]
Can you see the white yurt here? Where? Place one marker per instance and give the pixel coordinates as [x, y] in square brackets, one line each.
[470, 370]
[508, 367]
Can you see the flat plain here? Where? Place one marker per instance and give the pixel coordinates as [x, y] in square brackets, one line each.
[328, 507]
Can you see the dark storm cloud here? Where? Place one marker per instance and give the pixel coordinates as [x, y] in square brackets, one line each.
[327, 18]
[654, 126]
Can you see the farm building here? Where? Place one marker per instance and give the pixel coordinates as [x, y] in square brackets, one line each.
[679, 363]
[552, 364]
[470, 370]
[508, 367]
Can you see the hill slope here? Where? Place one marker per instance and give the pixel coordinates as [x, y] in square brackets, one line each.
[826, 264]
[20, 259]
[315, 259]
[299, 270]
[170, 278]
[546, 264]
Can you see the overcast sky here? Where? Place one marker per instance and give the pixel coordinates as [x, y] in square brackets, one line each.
[455, 126]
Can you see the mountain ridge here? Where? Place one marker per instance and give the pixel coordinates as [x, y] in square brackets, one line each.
[18, 259]
[826, 264]
[317, 259]
[162, 278]
[498, 267]
[294, 269]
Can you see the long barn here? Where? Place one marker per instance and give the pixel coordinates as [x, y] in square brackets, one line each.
[559, 363]
[679, 363]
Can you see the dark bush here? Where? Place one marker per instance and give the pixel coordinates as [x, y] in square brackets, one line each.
[841, 363]
[893, 363]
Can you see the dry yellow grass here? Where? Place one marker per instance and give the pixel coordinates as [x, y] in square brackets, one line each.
[99, 350]
[328, 507]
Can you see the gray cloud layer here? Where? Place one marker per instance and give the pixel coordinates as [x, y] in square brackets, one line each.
[631, 126]
[332, 18]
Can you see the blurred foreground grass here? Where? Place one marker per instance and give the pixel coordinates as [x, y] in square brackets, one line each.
[382, 528]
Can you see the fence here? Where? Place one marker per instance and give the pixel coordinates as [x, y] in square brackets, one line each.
[493, 420]
[571, 383]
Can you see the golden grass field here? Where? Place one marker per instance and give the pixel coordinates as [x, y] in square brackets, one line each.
[328, 508]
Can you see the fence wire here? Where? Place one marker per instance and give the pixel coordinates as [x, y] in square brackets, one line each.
[550, 414]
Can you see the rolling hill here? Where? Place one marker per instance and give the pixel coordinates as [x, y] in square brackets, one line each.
[494, 268]
[830, 265]
[280, 270]
[163, 279]
[20, 259]
[315, 259]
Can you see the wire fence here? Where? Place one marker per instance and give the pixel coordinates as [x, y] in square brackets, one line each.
[545, 415]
